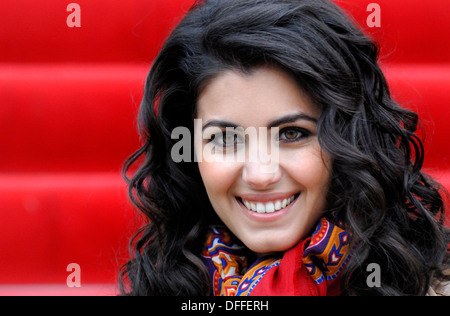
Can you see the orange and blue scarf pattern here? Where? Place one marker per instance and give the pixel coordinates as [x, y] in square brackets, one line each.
[310, 268]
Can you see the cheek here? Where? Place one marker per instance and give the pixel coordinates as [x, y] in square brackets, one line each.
[218, 179]
[311, 169]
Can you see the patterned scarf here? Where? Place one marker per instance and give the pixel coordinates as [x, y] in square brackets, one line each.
[311, 268]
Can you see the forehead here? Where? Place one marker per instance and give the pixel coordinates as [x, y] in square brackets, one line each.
[255, 98]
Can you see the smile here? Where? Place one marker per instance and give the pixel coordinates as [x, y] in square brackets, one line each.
[267, 206]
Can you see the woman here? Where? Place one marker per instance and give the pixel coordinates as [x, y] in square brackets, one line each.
[344, 193]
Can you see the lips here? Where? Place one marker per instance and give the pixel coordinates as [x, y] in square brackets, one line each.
[262, 205]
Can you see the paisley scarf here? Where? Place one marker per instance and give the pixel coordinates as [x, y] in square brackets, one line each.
[311, 268]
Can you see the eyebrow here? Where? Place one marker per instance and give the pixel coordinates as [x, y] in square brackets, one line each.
[283, 120]
[218, 123]
[291, 119]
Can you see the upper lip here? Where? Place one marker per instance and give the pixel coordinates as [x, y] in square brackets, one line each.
[266, 197]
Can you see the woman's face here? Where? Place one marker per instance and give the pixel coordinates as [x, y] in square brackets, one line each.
[274, 194]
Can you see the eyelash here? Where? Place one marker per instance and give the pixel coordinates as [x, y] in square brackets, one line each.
[301, 134]
[223, 136]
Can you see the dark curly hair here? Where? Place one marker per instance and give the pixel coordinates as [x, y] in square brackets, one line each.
[394, 211]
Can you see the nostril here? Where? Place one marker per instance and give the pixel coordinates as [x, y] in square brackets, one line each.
[260, 177]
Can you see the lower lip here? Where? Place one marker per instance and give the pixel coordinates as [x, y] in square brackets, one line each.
[266, 217]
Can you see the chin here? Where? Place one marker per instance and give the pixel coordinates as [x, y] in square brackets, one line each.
[271, 246]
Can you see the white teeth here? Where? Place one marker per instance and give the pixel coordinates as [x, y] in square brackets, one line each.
[277, 205]
[268, 207]
[260, 208]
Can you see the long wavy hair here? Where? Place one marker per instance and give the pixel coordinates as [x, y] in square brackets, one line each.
[378, 190]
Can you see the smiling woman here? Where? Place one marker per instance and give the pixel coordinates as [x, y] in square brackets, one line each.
[268, 210]
[328, 180]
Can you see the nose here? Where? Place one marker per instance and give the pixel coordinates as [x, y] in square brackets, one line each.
[261, 175]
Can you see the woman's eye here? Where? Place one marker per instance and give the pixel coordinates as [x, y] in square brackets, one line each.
[225, 139]
[293, 134]
[229, 139]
